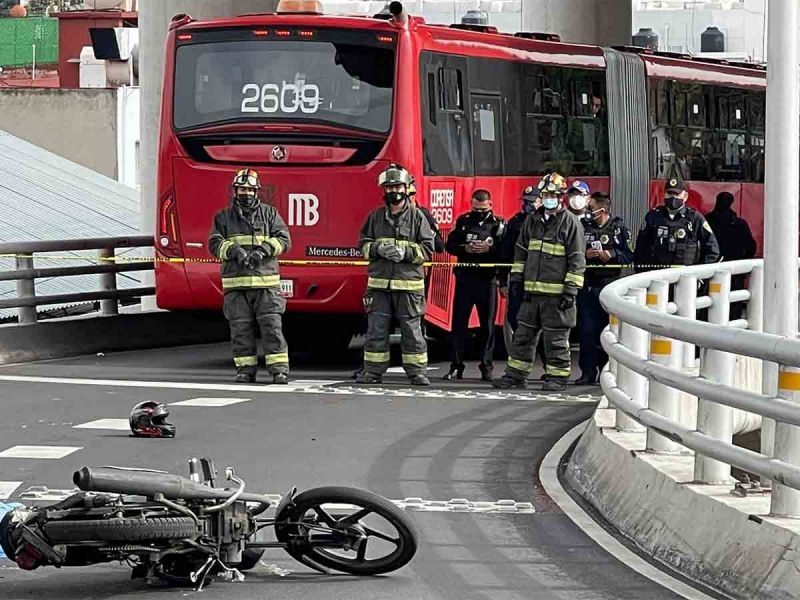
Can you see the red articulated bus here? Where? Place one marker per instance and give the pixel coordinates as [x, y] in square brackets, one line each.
[319, 105]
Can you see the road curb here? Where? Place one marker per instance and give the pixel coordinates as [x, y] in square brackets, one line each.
[548, 475]
[701, 531]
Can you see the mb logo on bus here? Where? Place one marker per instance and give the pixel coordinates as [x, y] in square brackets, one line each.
[303, 210]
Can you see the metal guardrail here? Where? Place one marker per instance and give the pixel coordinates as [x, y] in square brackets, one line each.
[25, 274]
[651, 343]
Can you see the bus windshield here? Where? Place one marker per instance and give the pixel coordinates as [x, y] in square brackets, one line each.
[344, 78]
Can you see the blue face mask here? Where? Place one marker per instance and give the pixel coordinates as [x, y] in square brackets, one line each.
[550, 203]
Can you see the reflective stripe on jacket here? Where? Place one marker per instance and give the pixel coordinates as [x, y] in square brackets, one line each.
[264, 228]
[549, 254]
[408, 229]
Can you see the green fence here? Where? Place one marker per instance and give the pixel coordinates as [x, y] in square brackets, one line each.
[19, 36]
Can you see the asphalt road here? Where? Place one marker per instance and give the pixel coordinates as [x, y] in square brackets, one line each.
[459, 440]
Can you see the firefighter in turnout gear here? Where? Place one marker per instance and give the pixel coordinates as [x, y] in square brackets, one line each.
[513, 293]
[248, 237]
[608, 242]
[475, 238]
[397, 240]
[674, 234]
[549, 258]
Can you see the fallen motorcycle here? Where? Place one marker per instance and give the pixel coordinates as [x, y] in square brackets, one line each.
[187, 532]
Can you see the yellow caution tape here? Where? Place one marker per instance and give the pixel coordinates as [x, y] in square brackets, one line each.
[289, 262]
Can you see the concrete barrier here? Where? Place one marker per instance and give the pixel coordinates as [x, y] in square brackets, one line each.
[76, 336]
[701, 531]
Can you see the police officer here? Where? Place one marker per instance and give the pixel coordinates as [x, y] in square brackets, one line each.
[475, 238]
[397, 240]
[674, 234]
[248, 237]
[608, 242]
[549, 258]
[578, 198]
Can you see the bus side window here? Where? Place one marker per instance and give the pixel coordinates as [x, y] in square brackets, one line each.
[587, 125]
[446, 135]
[661, 144]
[543, 125]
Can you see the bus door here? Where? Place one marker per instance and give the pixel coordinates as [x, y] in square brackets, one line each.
[487, 151]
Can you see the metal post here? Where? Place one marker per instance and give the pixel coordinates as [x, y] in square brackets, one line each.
[635, 385]
[715, 419]
[613, 325]
[781, 218]
[686, 300]
[108, 282]
[661, 398]
[769, 370]
[26, 288]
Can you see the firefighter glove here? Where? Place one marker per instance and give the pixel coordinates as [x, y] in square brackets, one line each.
[256, 257]
[239, 255]
[566, 302]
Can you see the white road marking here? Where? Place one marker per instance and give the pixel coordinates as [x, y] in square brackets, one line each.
[402, 371]
[7, 488]
[548, 474]
[298, 386]
[115, 424]
[209, 401]
[40, 452]
[317, 386]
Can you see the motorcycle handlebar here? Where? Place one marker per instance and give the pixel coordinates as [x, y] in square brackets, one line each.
[148, 483]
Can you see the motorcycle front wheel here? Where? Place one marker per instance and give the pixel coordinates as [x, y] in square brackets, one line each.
[347, 530]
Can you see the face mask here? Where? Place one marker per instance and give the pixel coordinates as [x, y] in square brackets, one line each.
[480, 213]
[528, 207]
[673, 203]
[595, 214]
[550, 203]
[577, 202]
[394, 198]
[246, 200]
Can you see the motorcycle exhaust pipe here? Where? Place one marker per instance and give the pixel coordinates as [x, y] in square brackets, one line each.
[149, 483]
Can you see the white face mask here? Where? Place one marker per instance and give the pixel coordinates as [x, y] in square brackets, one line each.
[577, 202]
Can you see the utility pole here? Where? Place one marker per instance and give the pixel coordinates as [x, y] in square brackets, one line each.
[781, 203]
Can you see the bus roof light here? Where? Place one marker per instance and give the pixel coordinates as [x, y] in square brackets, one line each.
[299, 7]
[283, 33]
[304, 33]
[184, 37]
[386, 39]
[260, 32]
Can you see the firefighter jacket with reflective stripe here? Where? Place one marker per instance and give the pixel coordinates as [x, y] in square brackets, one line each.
[684, 238]
[409, 230]
[549, 255]
[263, 228]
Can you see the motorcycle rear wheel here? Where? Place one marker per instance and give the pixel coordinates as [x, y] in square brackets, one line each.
[120, 530]
[296, 527]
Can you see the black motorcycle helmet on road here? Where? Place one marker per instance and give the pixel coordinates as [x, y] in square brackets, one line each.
[149, 419]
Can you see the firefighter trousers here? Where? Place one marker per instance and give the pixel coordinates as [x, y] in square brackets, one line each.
[540, 314]
[408, 308]
[247, 311]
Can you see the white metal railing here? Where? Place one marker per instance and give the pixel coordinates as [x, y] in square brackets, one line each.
[651, 344]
